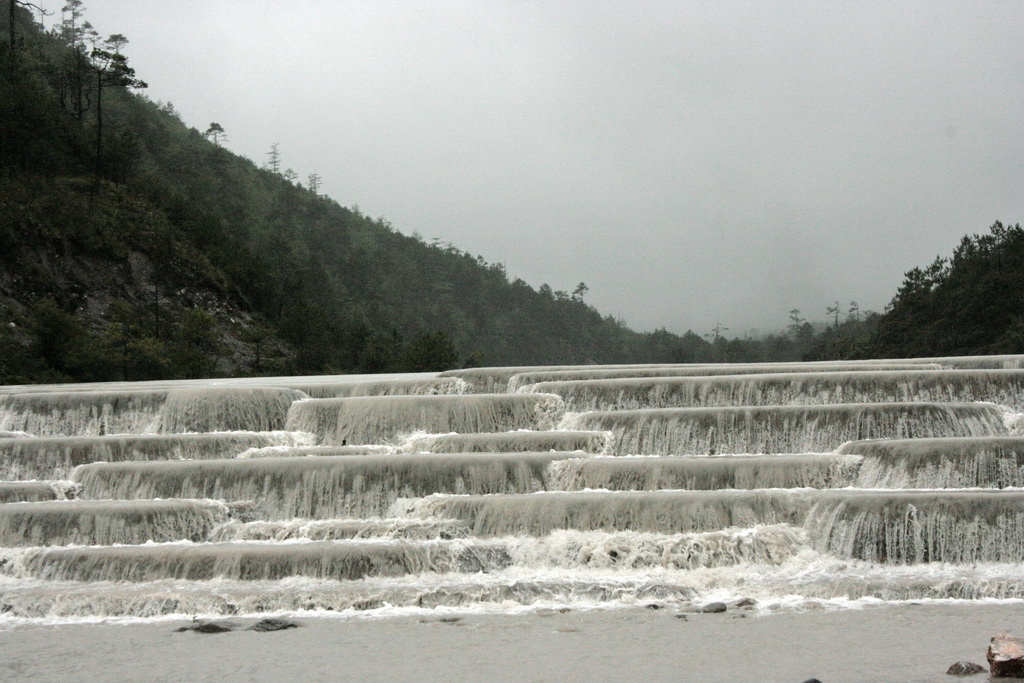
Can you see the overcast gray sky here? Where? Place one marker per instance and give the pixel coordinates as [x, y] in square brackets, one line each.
[692, 162]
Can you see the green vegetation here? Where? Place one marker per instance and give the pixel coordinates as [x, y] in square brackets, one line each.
[155, 252]
[969, 304]
[136, 247]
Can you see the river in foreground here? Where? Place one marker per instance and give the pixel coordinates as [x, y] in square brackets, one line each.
[906, 642]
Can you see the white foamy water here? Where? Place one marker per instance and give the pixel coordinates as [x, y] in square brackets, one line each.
[1005, 387]
[788, 486]
[146, 411]
[56, 457]
[785, 429]
[378, 419]
[508, 442]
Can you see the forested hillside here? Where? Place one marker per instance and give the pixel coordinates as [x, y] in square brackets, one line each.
[969, 304]
[137, 247]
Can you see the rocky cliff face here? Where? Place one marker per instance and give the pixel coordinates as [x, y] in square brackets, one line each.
[102, 256]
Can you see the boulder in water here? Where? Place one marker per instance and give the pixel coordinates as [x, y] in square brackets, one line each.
[964, 668]
[713, 608]
[1006, 656]
[267, 625]
[206, 627]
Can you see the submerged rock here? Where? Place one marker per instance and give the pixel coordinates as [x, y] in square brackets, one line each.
[446, 620]
[1006, 656]
[206, 627]
[267, 625]
[964, 668]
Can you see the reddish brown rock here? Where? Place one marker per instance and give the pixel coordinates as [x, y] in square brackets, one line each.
[1006, 657]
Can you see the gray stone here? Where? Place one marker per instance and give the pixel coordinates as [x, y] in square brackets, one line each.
[713, 608]
[965, 668]
[267, 625]
[206, 627]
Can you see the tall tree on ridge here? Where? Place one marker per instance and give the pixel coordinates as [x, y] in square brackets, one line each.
[834, 310]
[274, 158]
[215, 132]
[112, 71]
[75, 76]
[12, 30]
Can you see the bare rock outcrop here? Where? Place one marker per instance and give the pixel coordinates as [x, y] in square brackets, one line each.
[1006, 656]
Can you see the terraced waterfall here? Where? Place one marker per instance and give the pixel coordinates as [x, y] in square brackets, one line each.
[499, 489]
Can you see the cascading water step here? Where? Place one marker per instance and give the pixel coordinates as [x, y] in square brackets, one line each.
[379, 419]
[418, 386]
[514, 503]
[645, 473]
[340, 529]
[259, 561]
[784, 429]
[497, 379]
[565, 549]
[510, 442]
[104, 522]
[53, 599]
[360, 558]
[806, 579]
[915, 526]
[650, 511]
[303, 451]
[152, 411]
[995, 462]
[320, 487]
[56, 457]
[34, 491]
[813, 577]
[518, 381]
[1005, 387]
